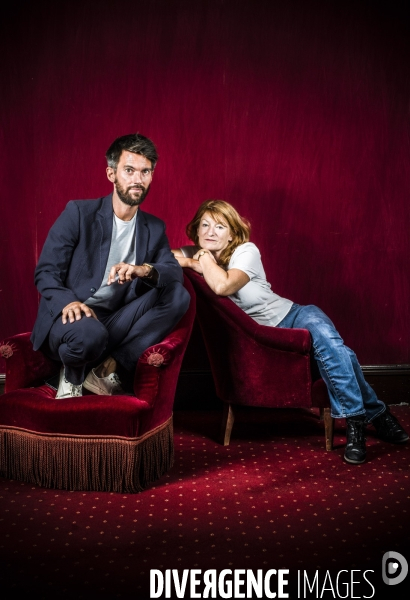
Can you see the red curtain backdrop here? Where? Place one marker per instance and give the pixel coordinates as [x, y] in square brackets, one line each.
[296, 112]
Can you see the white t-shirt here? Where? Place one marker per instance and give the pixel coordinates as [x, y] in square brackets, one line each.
[256, 297]
[122, 249]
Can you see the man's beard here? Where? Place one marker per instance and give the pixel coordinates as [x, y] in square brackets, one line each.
[125, 196]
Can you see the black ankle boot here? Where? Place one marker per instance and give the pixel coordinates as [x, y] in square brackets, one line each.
[355, 451]
[389, 429]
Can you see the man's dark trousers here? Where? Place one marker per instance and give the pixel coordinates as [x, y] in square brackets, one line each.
[123, 334]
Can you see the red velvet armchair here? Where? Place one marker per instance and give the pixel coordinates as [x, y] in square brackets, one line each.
[102, 443]
[254, 365]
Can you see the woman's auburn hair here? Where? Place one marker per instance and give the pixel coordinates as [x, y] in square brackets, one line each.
[224, 213]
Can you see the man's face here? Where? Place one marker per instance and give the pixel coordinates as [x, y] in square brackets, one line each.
[132, 178]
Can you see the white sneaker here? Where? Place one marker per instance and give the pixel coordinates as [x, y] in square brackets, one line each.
[103, 386]
[67, 389]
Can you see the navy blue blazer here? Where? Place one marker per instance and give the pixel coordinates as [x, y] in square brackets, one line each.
[72, 263]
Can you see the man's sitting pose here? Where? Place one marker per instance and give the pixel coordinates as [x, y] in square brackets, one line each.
[110, 286]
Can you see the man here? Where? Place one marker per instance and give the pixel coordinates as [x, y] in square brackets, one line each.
[110, 286]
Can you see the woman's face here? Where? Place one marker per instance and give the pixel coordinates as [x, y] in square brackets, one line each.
[213, 236]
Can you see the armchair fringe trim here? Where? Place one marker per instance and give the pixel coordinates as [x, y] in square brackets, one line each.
[105, 463]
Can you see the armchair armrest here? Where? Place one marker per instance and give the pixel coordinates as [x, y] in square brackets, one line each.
[25, 367]
[288, 340]
[158, 368]
[153, 364]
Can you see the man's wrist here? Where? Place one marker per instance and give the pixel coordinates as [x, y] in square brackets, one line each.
[149, 271]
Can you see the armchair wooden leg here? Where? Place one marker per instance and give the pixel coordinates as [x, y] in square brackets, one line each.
[228, 418]
[329, 422]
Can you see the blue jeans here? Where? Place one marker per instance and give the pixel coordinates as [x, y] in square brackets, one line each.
[349, 392]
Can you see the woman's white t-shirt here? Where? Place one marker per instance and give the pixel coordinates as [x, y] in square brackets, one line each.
[256, 297]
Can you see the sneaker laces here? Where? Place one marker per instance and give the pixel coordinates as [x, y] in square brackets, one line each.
[356, 431]
[387, 423]
[75, 390]
[116, 380]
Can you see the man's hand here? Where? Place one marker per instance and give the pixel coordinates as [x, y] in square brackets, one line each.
[126, 272]
[74, 312]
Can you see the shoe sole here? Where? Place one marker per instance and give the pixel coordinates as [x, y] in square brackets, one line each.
[91, 387]
[354, 462]
[394, 441]
[94, 389]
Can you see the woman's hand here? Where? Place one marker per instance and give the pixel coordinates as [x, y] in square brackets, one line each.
[191, 263]
[223, 283]
[201, 252]
[184, 261]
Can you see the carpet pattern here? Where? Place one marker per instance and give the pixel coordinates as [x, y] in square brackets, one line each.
[274, 498]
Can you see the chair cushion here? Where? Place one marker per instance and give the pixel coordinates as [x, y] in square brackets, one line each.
[36, 409]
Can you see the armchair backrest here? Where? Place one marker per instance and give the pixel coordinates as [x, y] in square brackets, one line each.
[252, 364]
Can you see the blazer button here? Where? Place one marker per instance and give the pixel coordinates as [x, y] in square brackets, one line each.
[93, 290]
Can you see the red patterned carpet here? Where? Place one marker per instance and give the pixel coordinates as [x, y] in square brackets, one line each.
[273, 499]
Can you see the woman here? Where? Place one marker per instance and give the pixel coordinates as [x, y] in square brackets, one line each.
[231, 265]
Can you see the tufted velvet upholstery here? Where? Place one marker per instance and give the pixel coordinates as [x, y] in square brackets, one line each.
[254, 365]
[89, 433]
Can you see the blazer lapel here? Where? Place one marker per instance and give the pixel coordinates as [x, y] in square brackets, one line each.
[142, 235]
[104, 219]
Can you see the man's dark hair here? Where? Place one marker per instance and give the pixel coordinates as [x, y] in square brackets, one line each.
[134, 142]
